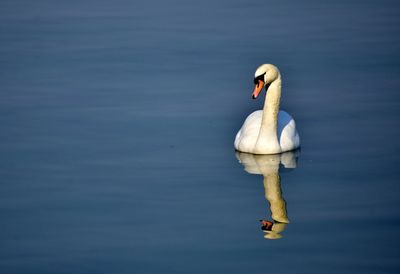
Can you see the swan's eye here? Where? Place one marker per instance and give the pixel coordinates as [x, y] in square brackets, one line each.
[260, 77]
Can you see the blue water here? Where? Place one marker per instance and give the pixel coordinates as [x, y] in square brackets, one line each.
[117, 122]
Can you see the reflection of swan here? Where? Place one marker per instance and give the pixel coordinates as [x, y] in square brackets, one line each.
[262, 128]
[268, 166]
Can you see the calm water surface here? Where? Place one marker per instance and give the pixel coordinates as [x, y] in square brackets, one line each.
[117, 123]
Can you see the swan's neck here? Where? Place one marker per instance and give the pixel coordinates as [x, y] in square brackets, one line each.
[267, 141]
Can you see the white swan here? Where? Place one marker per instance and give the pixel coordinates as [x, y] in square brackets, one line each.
[268, 131]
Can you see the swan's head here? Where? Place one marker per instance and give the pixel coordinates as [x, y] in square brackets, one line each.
[264, 76]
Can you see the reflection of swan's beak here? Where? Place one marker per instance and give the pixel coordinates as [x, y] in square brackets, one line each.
[266, 225]
[272, 230]
[258, 88]
[275, 231]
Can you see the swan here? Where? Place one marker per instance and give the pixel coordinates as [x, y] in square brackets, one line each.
[268, 131]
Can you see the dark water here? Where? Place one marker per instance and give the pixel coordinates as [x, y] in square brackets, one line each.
[117, 122]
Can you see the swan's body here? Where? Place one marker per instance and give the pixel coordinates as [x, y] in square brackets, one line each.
[247, 136]
[268, 131]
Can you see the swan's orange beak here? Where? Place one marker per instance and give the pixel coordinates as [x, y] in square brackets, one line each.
[258, 88]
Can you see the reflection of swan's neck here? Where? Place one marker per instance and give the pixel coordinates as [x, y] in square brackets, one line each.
[267, 137]
[273, 193]
[268, 166]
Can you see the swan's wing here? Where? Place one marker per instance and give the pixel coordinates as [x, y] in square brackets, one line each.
[248, 134]
[287, 133]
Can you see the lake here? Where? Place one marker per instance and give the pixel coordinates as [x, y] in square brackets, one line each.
[117, 123]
